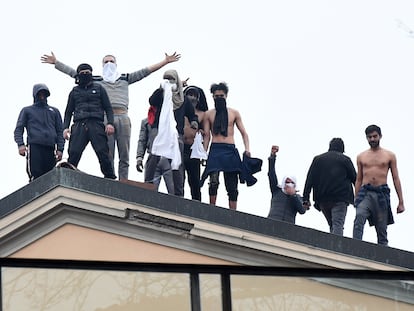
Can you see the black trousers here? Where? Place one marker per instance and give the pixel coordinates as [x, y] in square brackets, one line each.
[40, 160]
[90, 130]
[192, 168]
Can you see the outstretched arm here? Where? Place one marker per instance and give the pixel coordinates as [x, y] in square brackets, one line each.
[168, 59]
[51, 59]
[271, 172]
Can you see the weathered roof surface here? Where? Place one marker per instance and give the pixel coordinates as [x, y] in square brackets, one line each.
[267, 228]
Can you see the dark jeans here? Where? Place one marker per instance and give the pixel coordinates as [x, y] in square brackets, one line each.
[369, 207]
[335, 213]
[83, 132]
[192, 167]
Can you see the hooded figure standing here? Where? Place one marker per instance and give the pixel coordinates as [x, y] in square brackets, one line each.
[87, 103]
[167, 114]
[286, 203]
[43, 124]
[330, 177]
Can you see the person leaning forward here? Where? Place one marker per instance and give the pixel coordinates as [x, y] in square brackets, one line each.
[88, 102]
[331, 177]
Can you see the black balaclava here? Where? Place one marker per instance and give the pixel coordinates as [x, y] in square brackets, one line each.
[83, 79]
[221, 121]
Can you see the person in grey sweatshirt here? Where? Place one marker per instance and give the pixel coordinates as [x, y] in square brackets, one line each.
[116, 86]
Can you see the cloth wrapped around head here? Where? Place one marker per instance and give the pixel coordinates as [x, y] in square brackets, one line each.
[177, 92]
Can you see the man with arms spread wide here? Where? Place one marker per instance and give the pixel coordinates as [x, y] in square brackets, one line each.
[116, 86]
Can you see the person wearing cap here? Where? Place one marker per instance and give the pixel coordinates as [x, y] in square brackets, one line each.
[116, 85]
[44, 141]
[88, 102]
[331, 176]
[286, 202]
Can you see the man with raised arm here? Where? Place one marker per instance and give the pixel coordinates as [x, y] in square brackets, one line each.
[116, 86]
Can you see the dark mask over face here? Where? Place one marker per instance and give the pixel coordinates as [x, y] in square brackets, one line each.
[221, 121]
[84, 79]
[220, 104]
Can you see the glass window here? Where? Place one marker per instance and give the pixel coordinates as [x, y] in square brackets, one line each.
[210, 292]
[266, 293]
[71, 290]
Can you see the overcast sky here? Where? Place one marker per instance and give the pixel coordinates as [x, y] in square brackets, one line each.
[300, 72]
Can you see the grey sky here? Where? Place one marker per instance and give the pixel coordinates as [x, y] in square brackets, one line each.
[300, 72]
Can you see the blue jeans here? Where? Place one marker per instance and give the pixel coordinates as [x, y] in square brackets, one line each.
[369, 207]
[122, 137]
[335, 213]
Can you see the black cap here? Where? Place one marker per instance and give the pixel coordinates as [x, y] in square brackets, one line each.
[83, 67]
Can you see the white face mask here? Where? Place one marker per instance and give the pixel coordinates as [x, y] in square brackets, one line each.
[109, 72]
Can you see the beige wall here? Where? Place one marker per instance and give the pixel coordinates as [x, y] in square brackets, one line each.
[79, 243]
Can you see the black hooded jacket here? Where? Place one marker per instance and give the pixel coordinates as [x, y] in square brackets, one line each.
[43, 124]
[331, 176]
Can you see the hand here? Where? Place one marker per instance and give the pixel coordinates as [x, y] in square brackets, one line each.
[66, 134]
[185, 82]
[274, 150]
[194, 125]
[109, 129]
[306, 204]
[48, 59]
[400, 208]
[171, 58]
[140, 167]
[58, 155]
[247, 153]
[22, 150]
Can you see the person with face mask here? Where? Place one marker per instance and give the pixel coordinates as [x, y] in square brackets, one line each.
[170, 109]
[87, 103]
[285, 203]
[197, 98]
[44, 141]
[223, 155]
[116, 86]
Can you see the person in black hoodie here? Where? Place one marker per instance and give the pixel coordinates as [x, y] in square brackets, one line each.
[87, 103]
[43, 124]
[331, 176]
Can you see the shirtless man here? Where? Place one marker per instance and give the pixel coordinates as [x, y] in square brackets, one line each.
[197, 98]
[223, 156]
[372, 193]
